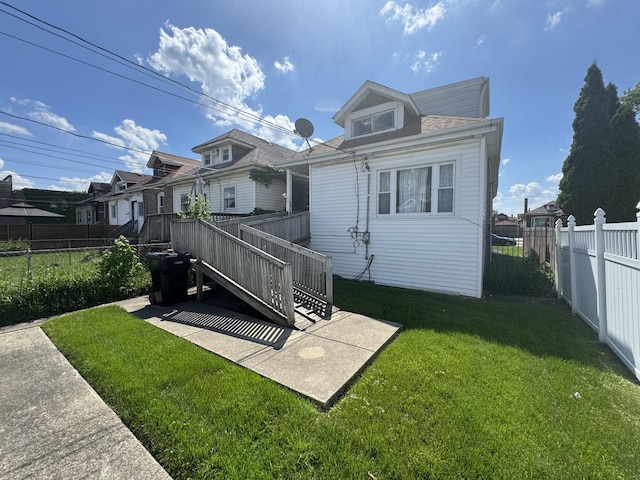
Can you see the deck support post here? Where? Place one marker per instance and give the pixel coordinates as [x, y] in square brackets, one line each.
[199, 278]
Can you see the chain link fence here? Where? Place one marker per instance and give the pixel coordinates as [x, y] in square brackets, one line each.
[20, 264]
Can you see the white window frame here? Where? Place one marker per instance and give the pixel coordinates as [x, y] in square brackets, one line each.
[79, 219]
[391, 195]
[371, 113]
[226, 208]
[113, 210]
[207, 159]
[184, 202]
[160, 202]
[89, 217]
[121, 186]
[225, 151]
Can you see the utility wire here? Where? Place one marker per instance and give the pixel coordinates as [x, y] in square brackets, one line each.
[137, 67]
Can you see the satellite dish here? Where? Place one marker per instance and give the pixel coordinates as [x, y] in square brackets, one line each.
[304, 128]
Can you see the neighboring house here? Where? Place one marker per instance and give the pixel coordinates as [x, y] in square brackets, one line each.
[157, 194]
[236, 175]
[123, 205]
[544, 216]
[506, 226]
[404, 196]
[91, 210]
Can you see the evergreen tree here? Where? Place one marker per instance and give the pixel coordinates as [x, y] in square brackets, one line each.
[587, 177]
[626, 151]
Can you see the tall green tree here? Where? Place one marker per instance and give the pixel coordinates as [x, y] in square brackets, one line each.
[626, 151]
[587, 177]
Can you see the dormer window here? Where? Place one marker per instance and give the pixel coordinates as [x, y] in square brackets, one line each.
[122, 186]
[226, 154]
[370, 121]
[216, 156]
[374, 123]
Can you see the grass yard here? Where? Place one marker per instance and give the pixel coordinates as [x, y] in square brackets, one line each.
[14, 268]
[470, 389]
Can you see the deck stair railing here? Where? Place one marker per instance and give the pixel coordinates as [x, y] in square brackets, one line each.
[262, 280]
[295, 228]
[311, 271]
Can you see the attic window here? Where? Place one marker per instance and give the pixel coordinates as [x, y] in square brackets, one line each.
[374, 123]
[122, 186]
[226, 154]
[385, 117]
[206, 158]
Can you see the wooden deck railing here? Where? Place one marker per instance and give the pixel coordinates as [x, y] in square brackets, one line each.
[295, 228]
[157, 227]
[232, 225]
[248, 269]
[312, 271]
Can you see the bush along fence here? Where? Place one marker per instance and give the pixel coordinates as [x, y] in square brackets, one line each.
[598, 275]
[41, 283]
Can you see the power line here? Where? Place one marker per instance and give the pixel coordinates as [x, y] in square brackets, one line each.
[79, 135]
[137, 67]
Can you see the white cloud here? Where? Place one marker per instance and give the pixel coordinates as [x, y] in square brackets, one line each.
[505, 161]
[222, 71]
[595, 3]
[14, 129]
[552, 21]
[18, 181]
[285, 66]
[274, 136]
[412, 18]
[555, 179]
[480, 40]
[77, 184]
[42, 113]
[426, 63]
[132, 136]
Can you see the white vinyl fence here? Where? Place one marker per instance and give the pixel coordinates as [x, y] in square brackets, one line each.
[598, 274]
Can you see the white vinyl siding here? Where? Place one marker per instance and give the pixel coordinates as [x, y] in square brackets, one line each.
[271, 197]
[430, 252]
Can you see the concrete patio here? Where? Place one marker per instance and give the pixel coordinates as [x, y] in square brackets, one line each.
[318, 363]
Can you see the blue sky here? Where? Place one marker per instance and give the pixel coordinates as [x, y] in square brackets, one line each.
[281, 60]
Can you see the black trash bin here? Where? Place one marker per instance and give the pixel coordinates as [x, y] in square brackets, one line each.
[169, 277]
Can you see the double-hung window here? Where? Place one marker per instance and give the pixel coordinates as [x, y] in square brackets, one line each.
[229, 194]
[420, 189]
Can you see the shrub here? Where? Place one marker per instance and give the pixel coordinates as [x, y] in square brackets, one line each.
[120, 268]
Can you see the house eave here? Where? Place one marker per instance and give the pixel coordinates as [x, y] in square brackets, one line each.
[415, 142]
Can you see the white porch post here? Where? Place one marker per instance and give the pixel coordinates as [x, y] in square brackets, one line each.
[638, 225]
[572, 265]
[289, 191]
[558, 276]
[601, 285]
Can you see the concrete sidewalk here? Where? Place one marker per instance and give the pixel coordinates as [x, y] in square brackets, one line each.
[318, 363]
[53, 425]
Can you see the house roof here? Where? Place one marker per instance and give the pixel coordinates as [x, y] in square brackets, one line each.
[99, 187]
[259, 152]
[25, 210]
[170, 159]
[128, 177]
[546, 210]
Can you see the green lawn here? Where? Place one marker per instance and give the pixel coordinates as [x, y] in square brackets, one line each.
[14, 268]
[470, 389]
